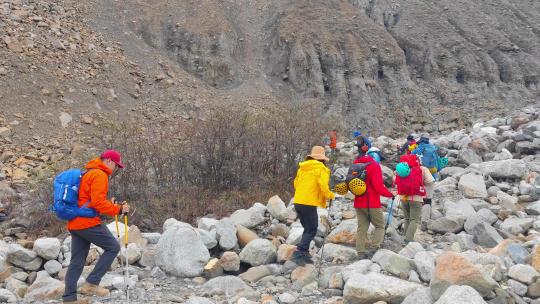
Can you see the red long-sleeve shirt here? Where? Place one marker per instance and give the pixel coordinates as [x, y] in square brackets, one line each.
[374, 183]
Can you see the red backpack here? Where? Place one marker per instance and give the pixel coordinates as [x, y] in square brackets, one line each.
[414, 183]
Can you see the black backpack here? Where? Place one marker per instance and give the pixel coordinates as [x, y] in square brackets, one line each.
[357, 171]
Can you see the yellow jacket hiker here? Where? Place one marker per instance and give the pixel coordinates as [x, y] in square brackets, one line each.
[311, 184]
[311, 190]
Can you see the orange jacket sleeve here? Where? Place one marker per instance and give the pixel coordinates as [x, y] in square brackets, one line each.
[98, 196]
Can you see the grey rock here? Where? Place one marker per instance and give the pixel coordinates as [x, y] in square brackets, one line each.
[152, 237]
[488, 216]
[425, 264]
[516, 226]
[392, 262]
[53, 267]
[469, 156]
[419, 296]
[229, 285]
[277, 208]
[208, 238]
[206, 223]
[44, 289]
[517, 287]
[335, 252]
[329, 274]
[446, 224]
[411, 250]
[47, 248]
[187, 260]
[461, 295]
[511, 168]
[199, 300]
[373, 287]
[23, 258]
[507, 201]
[251, 217]
[358, 267]
[259, 252]
[7, 296]
[226, 234]
[484, 234]
[533, 208]
[517, 253]
[473, 186]
[461, 208]
[452, 171]
[523, 273]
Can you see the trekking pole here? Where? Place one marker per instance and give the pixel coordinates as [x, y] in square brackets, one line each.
[322, 248]
[117, 229]
[126, 272]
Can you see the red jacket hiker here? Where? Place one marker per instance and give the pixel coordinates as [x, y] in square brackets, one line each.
[94, 188]
[374, 183]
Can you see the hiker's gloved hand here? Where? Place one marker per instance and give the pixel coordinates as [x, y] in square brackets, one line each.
[124, 209]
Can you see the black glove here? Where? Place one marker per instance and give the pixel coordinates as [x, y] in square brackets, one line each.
[427, 201]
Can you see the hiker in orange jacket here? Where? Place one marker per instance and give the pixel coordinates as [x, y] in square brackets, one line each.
[86, 231]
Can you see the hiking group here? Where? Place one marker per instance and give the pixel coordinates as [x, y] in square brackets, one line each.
[80, 196]
[415, 174]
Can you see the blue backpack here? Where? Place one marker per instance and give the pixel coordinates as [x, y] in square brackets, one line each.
[428, 155]
[66, 196]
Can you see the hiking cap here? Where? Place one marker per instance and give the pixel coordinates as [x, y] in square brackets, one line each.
[410, 137]
[114, 156]
[356, 134]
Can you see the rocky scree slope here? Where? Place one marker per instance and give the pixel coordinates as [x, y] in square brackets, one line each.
[478, 242]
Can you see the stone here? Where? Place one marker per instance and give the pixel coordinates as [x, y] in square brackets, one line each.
[535, 260]
[254, 274]
[285, 252]
[462, 208]
[228, 285]
[226, 234]
[280, 230]
[332, 277]
[460, 295]
[44, 289]
[344, 233]
[187, 260]
[446, 224]
[53, 267]
[451, 171]
[213, 269]
[258, 252]
[410, 250]
[517, 253]
[507, 201]
[7, 296]
[358, 267]
[419, 296]
[65, 119]
[245, 235]
[454, 269]
[152, 237]
[277, 208]
[509, 169]
[230, 261]
[287, 298]
[208, 238]
[134, 253]
[523, 273]
[148, 257]
[17, 287]
[425, 264]
[199, 300]
[295, 234]
[206, 223]
[339, 253]
[469, 156]
[517, 287]
[373, 287]
[484, 234]
[533, 290]
[516, 225]
[47, 248]
[304, 275]
[251, 217]
[23, 258]
[488, 216]
[392, 262]
[533, 208]
[472, 186]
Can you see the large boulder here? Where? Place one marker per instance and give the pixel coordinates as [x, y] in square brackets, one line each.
[344, 233]
[251, 217]
[47, 248]
[226, 234]
[515, 225]
[358, 267]
[446, 224]
[469, 156]
[23, 258]
[509, 168]
[259, 252]
[44, 289]
[339, 253]
[277, 208]
[523, 273]
[473, 186]
[373, 287]
[462, 208]
[392, 262]
[208, 238]
[181, 251]
[484, 234]
[245, 235]
[454, 269]
[460, 295]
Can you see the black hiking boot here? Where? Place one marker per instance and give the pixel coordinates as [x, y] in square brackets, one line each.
[298, 258]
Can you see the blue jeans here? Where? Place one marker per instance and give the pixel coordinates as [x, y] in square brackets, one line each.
[80, 245]
[310, 220]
